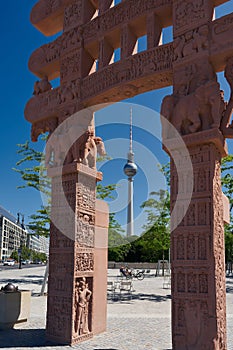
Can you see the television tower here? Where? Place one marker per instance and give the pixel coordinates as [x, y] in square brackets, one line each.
[130, 170]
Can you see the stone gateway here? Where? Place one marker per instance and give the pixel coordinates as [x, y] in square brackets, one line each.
[82, 56]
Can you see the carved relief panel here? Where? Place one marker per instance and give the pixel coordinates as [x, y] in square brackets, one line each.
[192, 245]
[73, 15]
[86, 197]
[85, 232]
[193, 42]
[188, 14]
[83, 307]
[84, 261]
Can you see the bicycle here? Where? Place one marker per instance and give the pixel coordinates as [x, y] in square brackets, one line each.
[138, 274]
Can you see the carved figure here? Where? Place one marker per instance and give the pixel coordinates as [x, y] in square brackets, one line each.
[186, 115]
[84, 150]
[197, 111]
[189, 44]
[93, 146]
[226, 126]
[82, 298]
[42, 86]
[178, 45]
[200, 37]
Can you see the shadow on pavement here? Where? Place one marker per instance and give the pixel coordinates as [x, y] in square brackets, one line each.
[229, 289]
[21, 281]
[33, 276]
[151, 297]
[140, 296]
[28, 338]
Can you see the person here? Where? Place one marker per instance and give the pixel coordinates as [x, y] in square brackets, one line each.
[122, 271]
[126, 271]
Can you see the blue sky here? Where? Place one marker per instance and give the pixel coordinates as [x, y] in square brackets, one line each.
[19, 40]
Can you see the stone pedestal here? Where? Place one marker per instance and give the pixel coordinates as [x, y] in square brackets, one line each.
[73, 284]
[197, 246]
[14, 308]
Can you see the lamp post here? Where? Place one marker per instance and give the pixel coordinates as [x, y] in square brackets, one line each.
[21, 241]
[20, 256]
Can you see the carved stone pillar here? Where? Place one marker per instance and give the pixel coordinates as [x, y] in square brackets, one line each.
[197, 245]
[104, 5]
[105, 53]
[74, 255]
[128, 41]
[154, 30]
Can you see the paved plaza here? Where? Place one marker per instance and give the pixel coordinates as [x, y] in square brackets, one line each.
[142, 323]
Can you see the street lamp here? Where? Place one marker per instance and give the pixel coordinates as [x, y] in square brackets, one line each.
[21, 242]
[19, 254]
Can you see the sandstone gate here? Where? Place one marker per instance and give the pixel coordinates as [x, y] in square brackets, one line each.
[82, 56]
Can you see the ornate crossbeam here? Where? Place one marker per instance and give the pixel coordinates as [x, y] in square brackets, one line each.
[72, 56]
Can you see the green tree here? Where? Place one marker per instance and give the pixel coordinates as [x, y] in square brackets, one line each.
[227, 183]
[25, 254]
[32, 171]
[40, 221]
[15, 255]
[227, 178]
[157, 229]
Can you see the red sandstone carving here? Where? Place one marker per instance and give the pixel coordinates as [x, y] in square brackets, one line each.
[84, 150]
[91, 32]
[226, 123]
[82, 299]
[42, 86]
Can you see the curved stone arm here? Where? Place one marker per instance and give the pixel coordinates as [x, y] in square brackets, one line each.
[226, 127]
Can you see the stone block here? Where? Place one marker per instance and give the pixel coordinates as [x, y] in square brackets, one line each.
[14, 308]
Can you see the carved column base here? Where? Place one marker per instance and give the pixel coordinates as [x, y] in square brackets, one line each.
[78, 257]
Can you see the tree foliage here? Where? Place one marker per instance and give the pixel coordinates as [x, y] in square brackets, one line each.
[29, 254]
[154, 243]
[227, 183]
[40, 221]
[227, 178]
[33, 172]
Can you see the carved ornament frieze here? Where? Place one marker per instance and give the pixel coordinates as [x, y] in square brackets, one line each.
[190, 14]
[155, 64]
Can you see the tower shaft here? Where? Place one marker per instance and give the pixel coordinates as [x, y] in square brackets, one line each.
[130, 216]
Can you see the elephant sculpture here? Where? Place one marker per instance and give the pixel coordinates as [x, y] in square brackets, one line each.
[197, 111]
[84, 150]
[93, 146]
[186, 115]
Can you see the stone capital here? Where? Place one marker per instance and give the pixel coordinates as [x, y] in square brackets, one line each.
[199, 138]
[72, 168]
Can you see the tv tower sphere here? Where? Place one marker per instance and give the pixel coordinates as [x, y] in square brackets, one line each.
[130, 169]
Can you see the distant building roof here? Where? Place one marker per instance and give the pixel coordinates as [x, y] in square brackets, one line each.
[6, 214]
